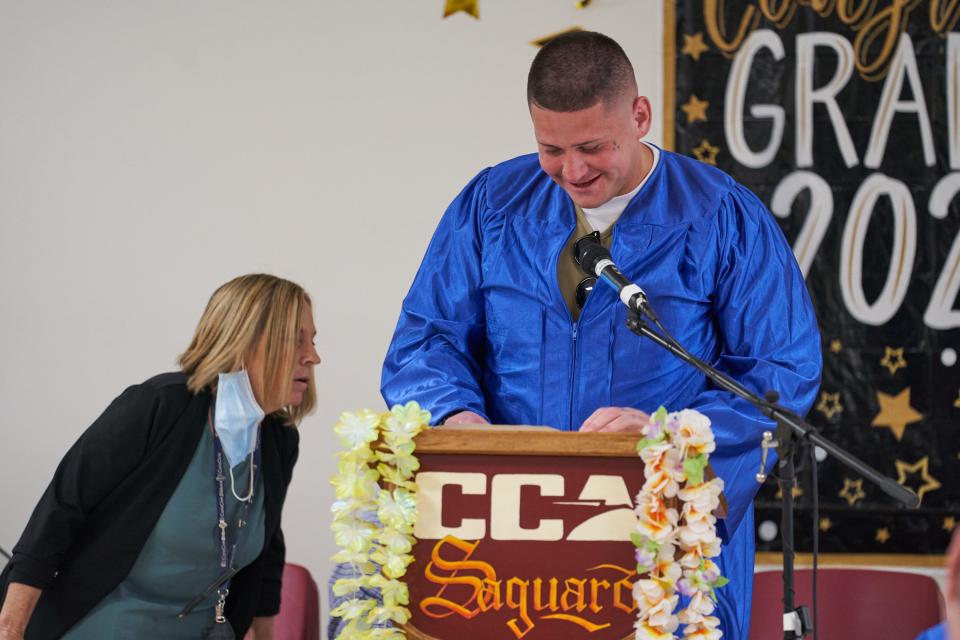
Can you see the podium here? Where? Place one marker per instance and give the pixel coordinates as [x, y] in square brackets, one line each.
[524, 532]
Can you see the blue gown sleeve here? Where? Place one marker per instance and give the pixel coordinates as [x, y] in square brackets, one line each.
[770, 341]
[436, 353]
[938, 632]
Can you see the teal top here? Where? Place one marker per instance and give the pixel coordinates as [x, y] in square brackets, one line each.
[181, 558]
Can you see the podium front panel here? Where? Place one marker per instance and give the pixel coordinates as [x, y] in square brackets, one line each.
[511, 545]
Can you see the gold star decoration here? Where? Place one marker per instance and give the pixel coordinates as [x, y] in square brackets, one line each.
[852, 491]
[696, 109]
[694, 46]
[825, 524]
[896, 412]
[882, 536]
[836, 346]
[456, 6]
[893, 359]
[949, 523]
[921, 466]
[583, 4]
[956, 402]
[796, 492]
[706, 152]
[539, 42]
[829, 404]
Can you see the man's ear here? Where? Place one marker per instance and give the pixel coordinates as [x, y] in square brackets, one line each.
[642, 115]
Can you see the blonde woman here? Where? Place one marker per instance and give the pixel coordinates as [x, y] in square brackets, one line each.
[163, 520]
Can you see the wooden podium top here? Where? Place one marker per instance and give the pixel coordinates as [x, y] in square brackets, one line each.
[525, 441]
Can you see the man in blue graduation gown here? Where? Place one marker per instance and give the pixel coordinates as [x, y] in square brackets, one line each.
[491, 330]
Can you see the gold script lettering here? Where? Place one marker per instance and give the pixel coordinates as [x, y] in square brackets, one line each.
[781, 15]
[877, 25]
[595, 585]
[489, 599]
[468, 588]
[574, 587]
[448, 607]
[887, 24]
[943, 15]
[716, 26]
[853, 17]
[538, 597]
[517, 599]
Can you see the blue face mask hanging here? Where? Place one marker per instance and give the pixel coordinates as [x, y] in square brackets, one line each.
[236, 416]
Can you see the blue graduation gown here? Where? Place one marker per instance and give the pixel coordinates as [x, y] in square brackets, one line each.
[484, 327]
[938, 632]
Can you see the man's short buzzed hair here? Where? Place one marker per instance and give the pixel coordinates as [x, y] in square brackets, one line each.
[577, 70]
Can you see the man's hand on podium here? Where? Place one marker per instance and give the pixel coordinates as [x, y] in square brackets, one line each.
[466, 417]
[616, 419]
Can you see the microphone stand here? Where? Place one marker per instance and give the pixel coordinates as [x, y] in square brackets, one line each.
[789, 425]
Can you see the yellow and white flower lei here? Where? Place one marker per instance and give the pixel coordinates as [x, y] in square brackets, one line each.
[675, 450]
[373, 525]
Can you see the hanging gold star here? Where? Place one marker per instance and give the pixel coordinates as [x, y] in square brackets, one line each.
[825, 524]
[836, 346]
[949, 523]
[583, 4]
[893, 359]
[539, 42]
[693, 46]
[706, 152]
[852, 491]
[956, 402]
[696, 109]
[921, 466]
[896, 412]
[882, 536]
[829, 404]
[456, 6]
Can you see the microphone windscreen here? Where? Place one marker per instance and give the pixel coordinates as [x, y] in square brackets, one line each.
[589, 253]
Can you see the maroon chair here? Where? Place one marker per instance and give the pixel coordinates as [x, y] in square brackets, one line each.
[854, 604]
[299, 617]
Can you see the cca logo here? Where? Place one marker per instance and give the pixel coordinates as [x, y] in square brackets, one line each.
[606, 492]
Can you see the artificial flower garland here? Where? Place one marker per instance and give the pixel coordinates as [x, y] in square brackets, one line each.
[373, 525]
[675, 450]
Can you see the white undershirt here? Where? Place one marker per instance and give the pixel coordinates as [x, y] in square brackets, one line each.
[602, 218]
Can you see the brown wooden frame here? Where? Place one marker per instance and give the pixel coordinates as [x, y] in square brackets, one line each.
[525, 441]
[857, 559]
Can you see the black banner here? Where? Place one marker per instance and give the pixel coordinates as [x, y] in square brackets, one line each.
[844, 117]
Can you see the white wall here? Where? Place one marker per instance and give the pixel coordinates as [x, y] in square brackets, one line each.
[149, 151]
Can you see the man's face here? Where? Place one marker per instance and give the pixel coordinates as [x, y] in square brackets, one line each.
[594, 154]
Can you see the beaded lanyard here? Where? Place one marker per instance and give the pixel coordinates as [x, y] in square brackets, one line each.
[222, 583]
[226, 559]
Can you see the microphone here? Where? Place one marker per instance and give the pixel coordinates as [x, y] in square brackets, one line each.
[595, 260]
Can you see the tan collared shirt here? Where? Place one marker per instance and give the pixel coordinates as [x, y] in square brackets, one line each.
[569, 274]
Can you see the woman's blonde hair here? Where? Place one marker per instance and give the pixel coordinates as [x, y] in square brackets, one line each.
[238, 315]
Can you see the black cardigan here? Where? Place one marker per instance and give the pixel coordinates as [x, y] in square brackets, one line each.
[108, 493]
